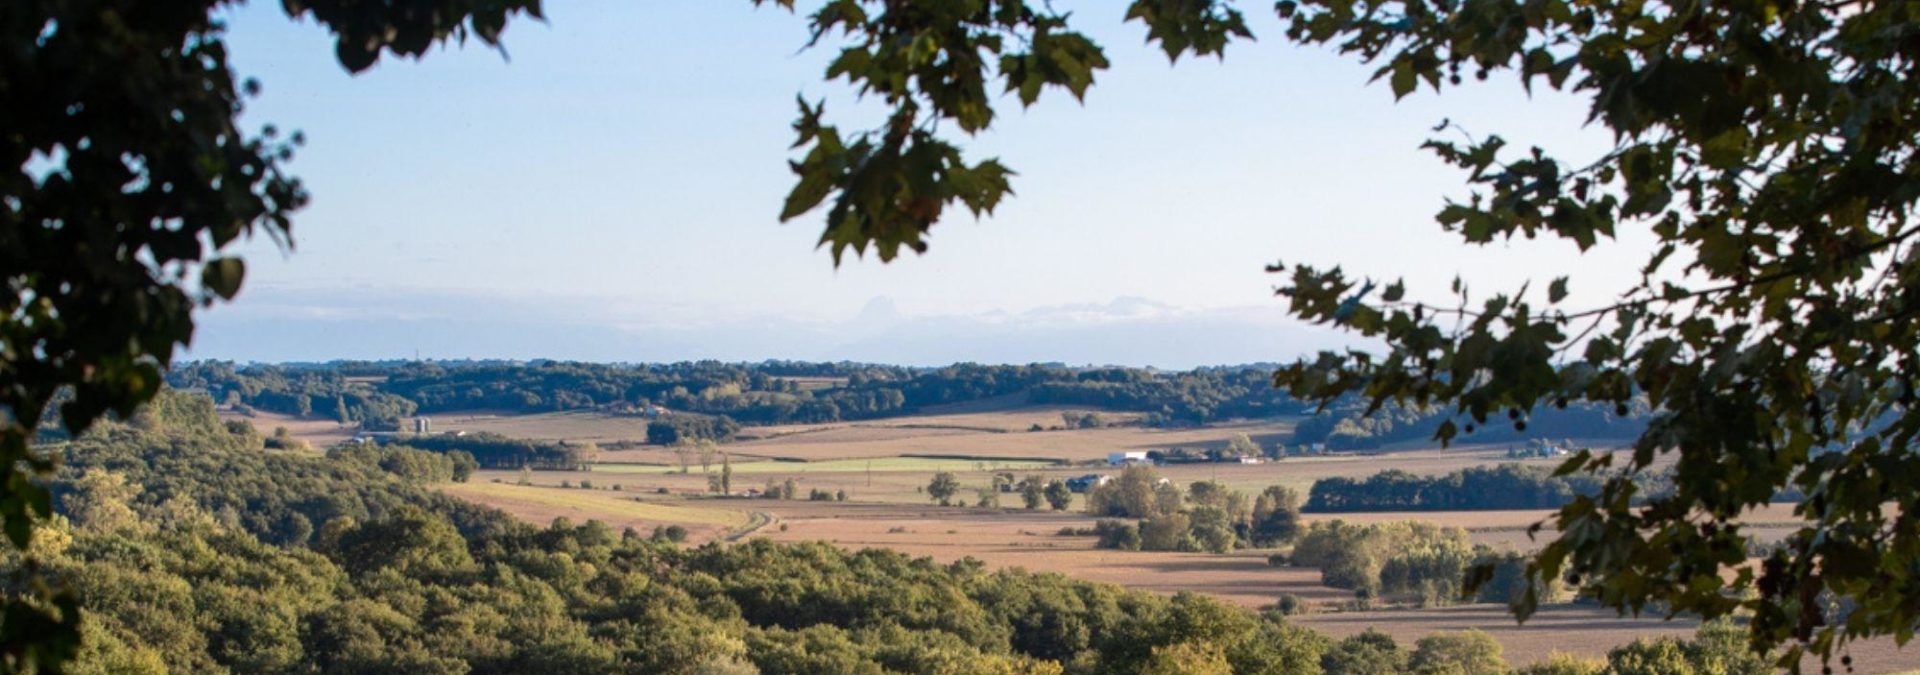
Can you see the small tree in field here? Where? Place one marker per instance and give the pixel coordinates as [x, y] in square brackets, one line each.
[1059, 496]
[706, 449]
[683, 454]
[1033, 491]
[1242, 446]
[943, 487]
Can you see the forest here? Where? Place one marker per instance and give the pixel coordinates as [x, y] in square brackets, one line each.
[707, 398]
[1504, 486]
[1346, 425]
[770, 392]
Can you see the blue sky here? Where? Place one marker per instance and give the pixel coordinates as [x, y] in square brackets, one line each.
[609, 191]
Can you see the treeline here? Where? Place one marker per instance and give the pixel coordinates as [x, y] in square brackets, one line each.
[1347, 426]
[494, 451]
[378, 395]
[1480, 488]
[773, 392]
[343, 394]
[676, 427]
[1505, 486]
[1410, 559]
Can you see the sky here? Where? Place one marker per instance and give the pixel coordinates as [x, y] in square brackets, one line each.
[608, 188]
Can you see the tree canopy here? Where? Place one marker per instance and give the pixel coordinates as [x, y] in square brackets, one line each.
[1769, 147]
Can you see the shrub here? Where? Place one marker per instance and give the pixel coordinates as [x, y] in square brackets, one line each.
[1289, 604]
[1117, 534]
[1467, 652]
[1562, 663]
[1369, 652]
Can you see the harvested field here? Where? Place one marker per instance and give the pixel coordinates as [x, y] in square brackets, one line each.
[884, 465]
[1007, 537]
[317, 432]
[590, 426]
[926, 465]
[1575, 629]
[1578, 629]
[934, 435]
[540, 505]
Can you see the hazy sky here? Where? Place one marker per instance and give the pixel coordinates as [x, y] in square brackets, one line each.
[610, 192]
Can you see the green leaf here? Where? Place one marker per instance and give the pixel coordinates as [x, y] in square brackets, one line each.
[1404, 79]
[222, 276]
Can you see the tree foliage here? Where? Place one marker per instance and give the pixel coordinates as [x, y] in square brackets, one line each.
[1767, 146]
[127, 174]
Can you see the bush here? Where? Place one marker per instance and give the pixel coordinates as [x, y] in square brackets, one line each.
[1468, 652]
[1171, 532]
[673, 428]
[1562, 663]
[1289, 604]
[672, 533]
[1369, 652]
[1117, 534]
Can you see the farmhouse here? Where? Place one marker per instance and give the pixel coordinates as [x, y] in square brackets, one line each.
[1127, 458]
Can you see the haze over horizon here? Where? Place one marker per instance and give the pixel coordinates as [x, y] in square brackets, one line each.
[475, 206]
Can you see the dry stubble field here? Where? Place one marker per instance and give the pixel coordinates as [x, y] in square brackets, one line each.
[887, 510]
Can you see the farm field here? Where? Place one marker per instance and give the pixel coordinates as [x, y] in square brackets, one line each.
[883, 467]
[317, 432]
[1015, 538]
[843, 466]
[541, 505]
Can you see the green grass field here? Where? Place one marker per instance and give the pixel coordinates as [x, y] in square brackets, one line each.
[889, 464]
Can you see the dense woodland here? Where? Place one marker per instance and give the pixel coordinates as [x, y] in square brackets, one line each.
[706, 399]
[1506, 486]
[771, 392]
[1348, 426]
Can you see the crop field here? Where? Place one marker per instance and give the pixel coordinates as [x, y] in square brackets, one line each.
[845, 466]
[540, 505]
[1013, 538]
[317, 432]
[571, 426]
[883, 468]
